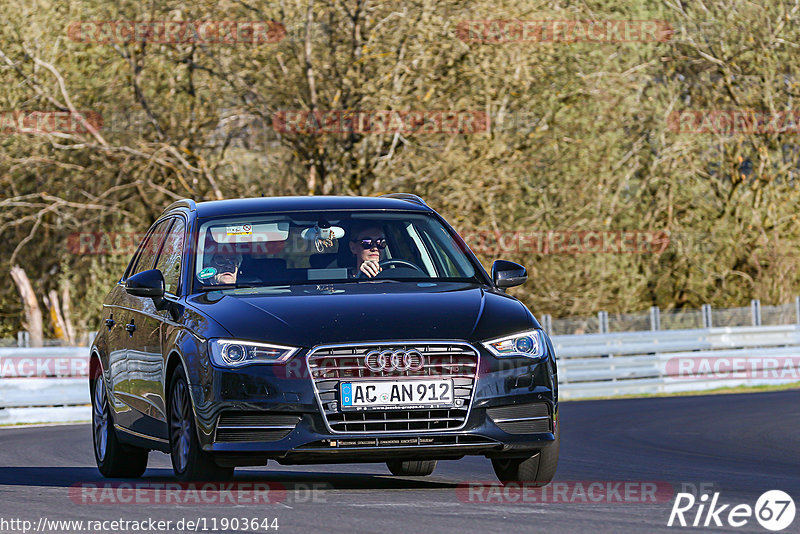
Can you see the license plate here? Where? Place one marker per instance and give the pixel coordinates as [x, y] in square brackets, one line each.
[388, 394]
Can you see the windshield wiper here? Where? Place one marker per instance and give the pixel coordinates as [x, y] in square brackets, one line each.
[221, 287]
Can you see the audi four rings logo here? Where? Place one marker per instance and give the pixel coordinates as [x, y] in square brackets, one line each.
[394, 360]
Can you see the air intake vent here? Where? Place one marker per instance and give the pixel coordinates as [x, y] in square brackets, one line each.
[254, 426]
[531, 418]
[397, 420]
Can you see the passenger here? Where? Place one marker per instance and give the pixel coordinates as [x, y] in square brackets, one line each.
[227, 268]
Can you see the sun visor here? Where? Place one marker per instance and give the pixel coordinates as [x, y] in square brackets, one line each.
[251, 233]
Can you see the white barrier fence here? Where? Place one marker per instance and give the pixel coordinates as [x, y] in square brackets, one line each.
[670, 361]
[45, 385]
[50, 385]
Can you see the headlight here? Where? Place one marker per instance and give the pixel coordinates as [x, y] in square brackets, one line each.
[235, 353]
[528, 344]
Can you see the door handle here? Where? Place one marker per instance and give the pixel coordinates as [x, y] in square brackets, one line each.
[130, 327]
[110, 322]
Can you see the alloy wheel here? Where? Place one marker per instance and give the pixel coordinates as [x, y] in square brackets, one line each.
[100, 419]
[180, 426]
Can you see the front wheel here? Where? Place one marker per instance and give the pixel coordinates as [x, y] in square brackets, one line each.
[538, 469]
[114, 460]
[189, 461]
[411, 468]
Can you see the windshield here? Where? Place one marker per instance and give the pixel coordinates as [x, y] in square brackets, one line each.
[332, 247]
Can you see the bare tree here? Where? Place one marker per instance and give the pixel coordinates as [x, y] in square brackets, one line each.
[33, 314]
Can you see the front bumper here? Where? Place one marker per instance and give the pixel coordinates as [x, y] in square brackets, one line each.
[274, 390]
[308, 443]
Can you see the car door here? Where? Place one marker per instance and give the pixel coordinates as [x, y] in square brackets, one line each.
[115, 314]
[138, 329]
[147, 360]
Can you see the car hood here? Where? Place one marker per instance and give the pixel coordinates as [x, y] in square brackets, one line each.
[311, 315]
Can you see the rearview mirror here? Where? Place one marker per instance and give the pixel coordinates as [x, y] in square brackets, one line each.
[508, 274]
[146, 284]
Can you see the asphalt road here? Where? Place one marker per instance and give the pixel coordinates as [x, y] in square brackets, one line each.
[737, 445]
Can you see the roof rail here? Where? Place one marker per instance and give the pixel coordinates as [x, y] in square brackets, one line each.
[182, 203]
[407, 197]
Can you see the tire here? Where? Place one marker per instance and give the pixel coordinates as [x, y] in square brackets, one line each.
[411, 468]
[538, 469]
[114, 460]
[189, 461]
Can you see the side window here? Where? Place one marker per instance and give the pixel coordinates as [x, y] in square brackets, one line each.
[422, 250]
[169, 262]
[444, 248]
[150, 247]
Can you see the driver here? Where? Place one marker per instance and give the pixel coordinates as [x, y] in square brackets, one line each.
[366, 243]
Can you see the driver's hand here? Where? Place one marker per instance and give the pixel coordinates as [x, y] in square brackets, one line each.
[370, 268]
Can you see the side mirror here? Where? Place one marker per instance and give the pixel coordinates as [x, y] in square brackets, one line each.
[508, 274]
[146, 284]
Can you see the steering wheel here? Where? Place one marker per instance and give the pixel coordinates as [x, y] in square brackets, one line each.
[385, 263]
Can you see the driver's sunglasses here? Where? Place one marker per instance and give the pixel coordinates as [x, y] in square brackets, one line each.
[370, 243]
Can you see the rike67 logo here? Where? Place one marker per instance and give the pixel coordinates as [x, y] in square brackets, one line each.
[774, 510]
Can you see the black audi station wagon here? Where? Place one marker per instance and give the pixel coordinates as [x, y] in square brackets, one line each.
[319, 330]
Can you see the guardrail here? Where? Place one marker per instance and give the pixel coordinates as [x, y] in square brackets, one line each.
[676, 319]
[45, 385]
[670, 361]
[49, 384]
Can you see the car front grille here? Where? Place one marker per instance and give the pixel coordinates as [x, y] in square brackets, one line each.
[450, 360]
[529, 418]
[254, 426]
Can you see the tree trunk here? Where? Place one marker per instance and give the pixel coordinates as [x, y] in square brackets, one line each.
[66, 309]
[56, 318]
[33, 314]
